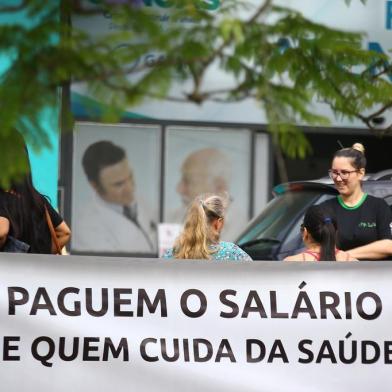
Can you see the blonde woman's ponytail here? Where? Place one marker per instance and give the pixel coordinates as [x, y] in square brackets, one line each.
[193, 241]
[197, 236]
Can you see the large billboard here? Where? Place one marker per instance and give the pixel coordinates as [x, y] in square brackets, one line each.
[115, 189]
[373, 18]
[208, 160]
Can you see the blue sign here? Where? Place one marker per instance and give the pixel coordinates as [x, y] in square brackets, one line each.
[389, 15]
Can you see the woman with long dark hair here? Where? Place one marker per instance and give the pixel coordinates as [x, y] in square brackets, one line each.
[24, 213]
[319, 236]
[200, 238]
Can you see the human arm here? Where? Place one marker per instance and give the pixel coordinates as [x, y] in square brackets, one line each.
[381, 246]
[345, 256]
[63, 235]
[376, 250]
[4, 230]
[4, 219]
[384, 220]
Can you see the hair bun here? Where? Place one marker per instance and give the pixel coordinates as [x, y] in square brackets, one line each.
[359, 147]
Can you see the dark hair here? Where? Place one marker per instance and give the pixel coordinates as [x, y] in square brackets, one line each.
[321, 225]
[100, 155]
[25, 206]
[356, 154]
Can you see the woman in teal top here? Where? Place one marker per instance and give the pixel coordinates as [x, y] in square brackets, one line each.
[200, 236]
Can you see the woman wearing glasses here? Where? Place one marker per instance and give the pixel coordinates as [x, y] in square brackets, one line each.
[361, 218]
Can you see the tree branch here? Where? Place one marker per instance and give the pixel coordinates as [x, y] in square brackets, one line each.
[260, 11]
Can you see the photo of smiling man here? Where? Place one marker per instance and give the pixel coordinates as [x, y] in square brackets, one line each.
[108, 215]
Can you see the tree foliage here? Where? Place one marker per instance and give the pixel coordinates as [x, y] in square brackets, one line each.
[274, 55]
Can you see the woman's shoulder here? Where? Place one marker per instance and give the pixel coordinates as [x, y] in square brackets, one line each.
[168, 254]
[225, 245]
[331, 204]
[230, 251]
[297, 257]
[55, 217]
[373, 199]
[303, 256]
[377, 201]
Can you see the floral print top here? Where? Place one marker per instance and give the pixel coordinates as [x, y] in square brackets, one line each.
[222, 251]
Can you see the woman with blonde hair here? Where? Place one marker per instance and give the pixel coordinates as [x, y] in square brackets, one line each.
[200, 237]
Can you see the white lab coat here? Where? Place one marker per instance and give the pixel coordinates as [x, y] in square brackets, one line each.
[100, 228]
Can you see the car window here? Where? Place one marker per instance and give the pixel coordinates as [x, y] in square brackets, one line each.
[278, 216]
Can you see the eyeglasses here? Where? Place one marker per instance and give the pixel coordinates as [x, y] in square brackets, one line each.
[344, 174]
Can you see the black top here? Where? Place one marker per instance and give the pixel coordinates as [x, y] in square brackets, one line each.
[368, 221]
[7, 200]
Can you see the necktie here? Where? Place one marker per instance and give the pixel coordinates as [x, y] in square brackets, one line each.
[130, 214]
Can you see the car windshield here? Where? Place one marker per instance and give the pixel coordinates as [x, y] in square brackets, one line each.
[277, 217]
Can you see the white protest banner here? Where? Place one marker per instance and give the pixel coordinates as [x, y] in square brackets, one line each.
[115, 324]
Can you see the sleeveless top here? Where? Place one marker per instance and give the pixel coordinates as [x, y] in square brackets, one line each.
[316, 255]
